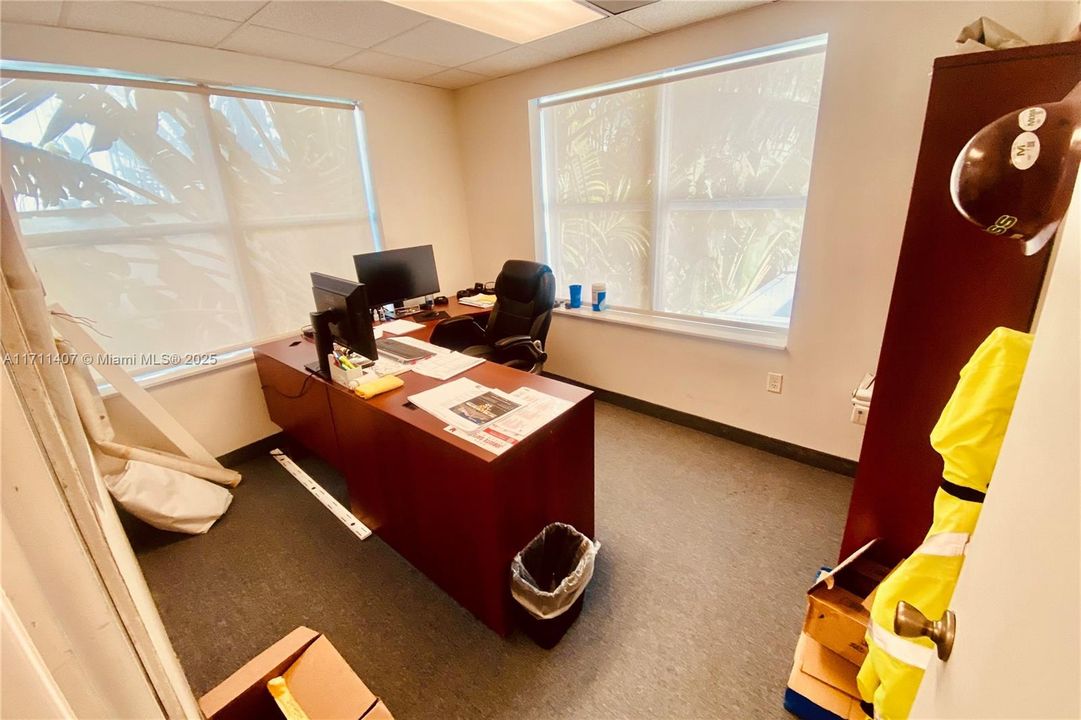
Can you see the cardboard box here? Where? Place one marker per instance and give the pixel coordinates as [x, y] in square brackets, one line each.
[837, 616]
[827, 666]
[317, 676]
[804, 688]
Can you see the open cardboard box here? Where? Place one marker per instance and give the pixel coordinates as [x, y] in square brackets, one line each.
[826, 680]
[837, 605]
[317, 676]
[821, 663]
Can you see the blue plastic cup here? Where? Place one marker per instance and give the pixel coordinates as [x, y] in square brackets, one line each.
[576, 296]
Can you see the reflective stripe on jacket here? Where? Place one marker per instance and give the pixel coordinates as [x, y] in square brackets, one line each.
[968, 436]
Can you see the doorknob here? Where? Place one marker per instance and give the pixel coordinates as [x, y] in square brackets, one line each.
[908, 621]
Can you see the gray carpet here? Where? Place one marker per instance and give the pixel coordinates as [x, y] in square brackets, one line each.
[693, 612]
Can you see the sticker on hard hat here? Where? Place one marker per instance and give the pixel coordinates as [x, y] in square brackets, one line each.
[1004, 223]
[1025, 150]
[1031, 118]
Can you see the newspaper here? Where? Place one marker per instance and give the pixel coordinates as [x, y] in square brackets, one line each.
[465, 404]
[497, 436]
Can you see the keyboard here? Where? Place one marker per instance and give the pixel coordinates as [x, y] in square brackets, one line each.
[402, 352]
[429, 315]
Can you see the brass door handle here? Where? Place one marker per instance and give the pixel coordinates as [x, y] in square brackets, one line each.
[908, 621]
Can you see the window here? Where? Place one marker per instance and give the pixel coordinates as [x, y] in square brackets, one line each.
[182, 219]
[684, 191]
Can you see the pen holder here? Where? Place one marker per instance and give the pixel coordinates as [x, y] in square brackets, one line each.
[344, 377]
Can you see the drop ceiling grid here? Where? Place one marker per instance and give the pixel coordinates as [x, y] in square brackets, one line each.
[375, 38]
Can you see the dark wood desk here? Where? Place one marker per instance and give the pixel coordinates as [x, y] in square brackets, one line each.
[455, 511]
[454, 309]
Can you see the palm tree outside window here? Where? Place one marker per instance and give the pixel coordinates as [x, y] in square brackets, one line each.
[684, 190]
[182, 219]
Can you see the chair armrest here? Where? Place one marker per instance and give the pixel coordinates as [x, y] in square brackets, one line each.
[520, 351]
[512, 340]
[457, 333]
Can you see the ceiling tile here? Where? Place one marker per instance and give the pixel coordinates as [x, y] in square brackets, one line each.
[509, 62]
[444, 44]
[360, 24]
[148, 21]
[379, 64]
[585, 38]
[669, 14]
[453, 79]
[239, 10]
[31, 11]
[286, 46]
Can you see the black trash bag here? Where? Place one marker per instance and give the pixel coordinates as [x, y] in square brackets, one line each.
[548, 578]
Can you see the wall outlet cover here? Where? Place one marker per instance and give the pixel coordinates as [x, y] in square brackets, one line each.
[774, 382]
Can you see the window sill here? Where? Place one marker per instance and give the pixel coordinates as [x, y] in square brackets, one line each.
[774, 338]
[166, 376]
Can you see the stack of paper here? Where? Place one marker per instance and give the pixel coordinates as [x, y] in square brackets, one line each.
[481, 301]
[491, 419]
[446, 365]
[399, 327]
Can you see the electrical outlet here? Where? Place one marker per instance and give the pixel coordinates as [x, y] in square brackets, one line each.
[859, 415]
[774, 381]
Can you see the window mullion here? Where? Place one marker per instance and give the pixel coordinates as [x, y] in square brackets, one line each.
[658, 241]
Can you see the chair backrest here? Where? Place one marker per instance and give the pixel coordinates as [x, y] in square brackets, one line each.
[525, 294]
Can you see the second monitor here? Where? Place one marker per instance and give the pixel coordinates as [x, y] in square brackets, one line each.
[394, 276]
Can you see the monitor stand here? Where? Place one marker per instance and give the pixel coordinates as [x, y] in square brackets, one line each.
[324, 343]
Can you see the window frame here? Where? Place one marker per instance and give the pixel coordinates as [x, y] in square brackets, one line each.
[761, 332]
[240, 352]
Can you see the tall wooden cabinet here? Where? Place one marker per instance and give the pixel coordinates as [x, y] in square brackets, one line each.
[954, 285]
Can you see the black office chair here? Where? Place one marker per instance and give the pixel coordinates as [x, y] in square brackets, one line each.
[514, 336]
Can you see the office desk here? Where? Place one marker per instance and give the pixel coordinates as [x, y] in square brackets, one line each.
[454, 309]
[455, 511]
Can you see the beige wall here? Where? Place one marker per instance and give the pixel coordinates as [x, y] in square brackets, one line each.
[453, 169]
[873, 102]
[416, 171]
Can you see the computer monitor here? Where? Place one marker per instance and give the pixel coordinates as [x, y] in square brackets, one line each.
[341, 316]
[393, 276]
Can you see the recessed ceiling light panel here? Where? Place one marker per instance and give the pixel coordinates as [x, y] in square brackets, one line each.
[519, 21]
[615, 7]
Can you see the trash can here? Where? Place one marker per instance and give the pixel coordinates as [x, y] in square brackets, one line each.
[548, 579]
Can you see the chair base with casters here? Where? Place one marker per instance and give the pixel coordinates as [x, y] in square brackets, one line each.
[518, 325]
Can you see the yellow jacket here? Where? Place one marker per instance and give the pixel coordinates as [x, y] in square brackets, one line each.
[968, 436]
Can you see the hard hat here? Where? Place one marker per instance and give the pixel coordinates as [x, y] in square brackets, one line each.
[1015, 177]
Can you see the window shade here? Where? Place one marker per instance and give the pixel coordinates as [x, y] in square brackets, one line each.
[183, 221]
[684, 191]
